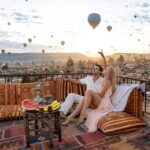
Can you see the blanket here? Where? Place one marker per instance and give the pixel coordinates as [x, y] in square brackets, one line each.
[121, 95]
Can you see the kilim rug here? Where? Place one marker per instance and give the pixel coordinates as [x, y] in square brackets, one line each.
[73, 138]
[141, 142]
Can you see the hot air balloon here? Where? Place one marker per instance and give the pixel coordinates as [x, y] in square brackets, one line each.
[3, 51]
[34, 36]
[62, 42]
[24, 44]
[30, 40]
[94, 19]
[109, 28]
[138, 40]
[9, 23]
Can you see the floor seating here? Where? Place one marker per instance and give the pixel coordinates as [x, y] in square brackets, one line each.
[12, 94]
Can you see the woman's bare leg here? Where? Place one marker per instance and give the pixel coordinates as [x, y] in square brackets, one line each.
[90, 98]
[74, 113]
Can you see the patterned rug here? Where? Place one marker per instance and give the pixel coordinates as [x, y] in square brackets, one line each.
[74, 138]
[137, 141]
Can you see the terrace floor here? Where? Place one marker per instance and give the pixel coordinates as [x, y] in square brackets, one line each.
[12, 137]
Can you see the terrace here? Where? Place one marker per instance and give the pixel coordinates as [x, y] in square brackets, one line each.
[12, 131]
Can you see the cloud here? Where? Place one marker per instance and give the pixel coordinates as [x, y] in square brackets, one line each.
[18, 47]
[6, 34]
[22, 18]
[145, 5]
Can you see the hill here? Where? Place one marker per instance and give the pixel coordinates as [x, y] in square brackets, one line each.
[37, 57]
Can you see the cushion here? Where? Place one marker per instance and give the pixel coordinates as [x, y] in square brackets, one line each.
[117, 122]
[10, 112]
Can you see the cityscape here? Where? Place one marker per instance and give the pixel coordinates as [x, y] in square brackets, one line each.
[126, 64]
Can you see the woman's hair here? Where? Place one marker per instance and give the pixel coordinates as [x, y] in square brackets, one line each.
[112, 77]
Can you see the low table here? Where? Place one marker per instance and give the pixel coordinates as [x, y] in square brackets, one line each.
[50, 124]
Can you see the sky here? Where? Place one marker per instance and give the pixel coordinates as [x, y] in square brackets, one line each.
[48, 22]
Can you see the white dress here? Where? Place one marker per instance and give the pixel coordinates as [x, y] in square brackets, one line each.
[93, 115]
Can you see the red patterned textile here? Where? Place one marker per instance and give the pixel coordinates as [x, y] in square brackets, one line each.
[117, 122]
[59, 86]
[26, 90]
[10, 112]
[11, 94]
[2, 94]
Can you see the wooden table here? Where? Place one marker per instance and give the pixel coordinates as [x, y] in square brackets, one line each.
[50, 124]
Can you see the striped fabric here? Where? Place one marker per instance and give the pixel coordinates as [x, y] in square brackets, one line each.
[10, 112]
[134, 105]
[59, 85]
[117, 122]
[12, 94]
[2, 94]
[63, 87]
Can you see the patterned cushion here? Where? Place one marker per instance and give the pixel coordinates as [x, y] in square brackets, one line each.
[10, 112]
[117, 122]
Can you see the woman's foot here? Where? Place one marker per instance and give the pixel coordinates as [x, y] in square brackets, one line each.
[81, 119]
[68, 120]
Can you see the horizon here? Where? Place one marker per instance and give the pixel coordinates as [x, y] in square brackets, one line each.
[50, 23]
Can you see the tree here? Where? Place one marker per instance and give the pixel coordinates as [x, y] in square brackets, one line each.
[121, 58]
[81, 65]
[43, 51]
[5, 67]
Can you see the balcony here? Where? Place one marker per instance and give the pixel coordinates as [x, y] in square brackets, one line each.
[73, 136]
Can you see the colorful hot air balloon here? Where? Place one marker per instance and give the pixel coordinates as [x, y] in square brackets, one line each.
[94, 19]
[62, 42]
[109, 28]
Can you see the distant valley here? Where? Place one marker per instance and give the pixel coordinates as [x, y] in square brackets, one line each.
[37, 57]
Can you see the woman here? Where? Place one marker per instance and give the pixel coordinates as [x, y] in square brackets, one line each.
[100, 102]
